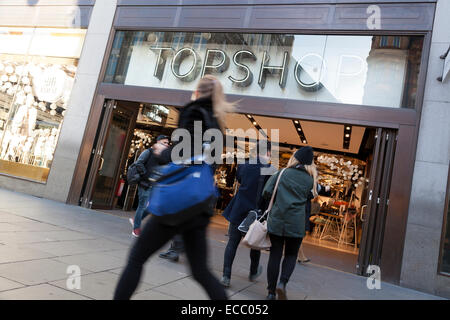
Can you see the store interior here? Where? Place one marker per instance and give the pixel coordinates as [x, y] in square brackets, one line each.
[343, 154]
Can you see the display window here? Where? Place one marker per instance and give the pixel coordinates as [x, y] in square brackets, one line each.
[37, 73]
[364, 70]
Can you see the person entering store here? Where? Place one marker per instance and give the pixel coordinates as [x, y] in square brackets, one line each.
[251, 182]
[209, 107]
[312, 206]
[286, 220]
[144, 166]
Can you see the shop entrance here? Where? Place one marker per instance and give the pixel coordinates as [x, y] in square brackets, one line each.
[346, 224]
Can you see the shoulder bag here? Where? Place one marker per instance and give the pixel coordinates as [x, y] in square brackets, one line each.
[257, 237]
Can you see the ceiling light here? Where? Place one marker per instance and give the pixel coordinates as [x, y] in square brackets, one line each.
[254, 122]
[304, 141]
[249, 116]
[296, 121]
[299, 129]
[347, 135]
[347, 128]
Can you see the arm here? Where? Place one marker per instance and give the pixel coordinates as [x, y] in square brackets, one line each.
[141, 161]
[270, 185]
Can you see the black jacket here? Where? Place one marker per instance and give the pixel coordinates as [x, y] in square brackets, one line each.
[249, 194]
[321, 192]
[145, 164]
[188, 115]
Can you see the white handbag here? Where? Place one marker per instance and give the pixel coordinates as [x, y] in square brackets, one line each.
[256, 236]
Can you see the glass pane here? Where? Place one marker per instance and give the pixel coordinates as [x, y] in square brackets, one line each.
[104, 186]
[363, 70]
[36, 80]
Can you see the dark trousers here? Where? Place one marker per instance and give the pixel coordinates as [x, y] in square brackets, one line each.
[234, 237]
[153, 237]
[291, 247]
[177, 244]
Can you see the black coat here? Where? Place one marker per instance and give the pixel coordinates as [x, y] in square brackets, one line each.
[188, 115]
[321, 192]
[250, 190]
[145, 165]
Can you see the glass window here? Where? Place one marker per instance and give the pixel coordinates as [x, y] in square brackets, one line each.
[445, 246]
[362, 70]
[37, 72]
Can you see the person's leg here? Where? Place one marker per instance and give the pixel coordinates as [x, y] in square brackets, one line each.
[153, 237]
[176, 247]
[196, 251]
[255, 255]
[273, 266]
[177, 244]
[292, 246]
[234, 237]
[301, 255]
[143, 195]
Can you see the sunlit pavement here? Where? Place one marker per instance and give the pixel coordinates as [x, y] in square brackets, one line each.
[44, 243]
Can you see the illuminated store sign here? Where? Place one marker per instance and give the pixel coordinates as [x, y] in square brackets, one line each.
[217, 61]
[352, 69]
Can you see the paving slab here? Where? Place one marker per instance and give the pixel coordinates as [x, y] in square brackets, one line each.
[35, 272]
[31, 226]
[94, 262]
[6, 284]
[42, 236]
[65, 248]
[153, 294]
[7, 217]
[184, 289]
[13, 253]
[40, 292]
[99, 286]
[157, 275]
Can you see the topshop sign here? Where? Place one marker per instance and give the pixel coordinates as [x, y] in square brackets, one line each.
[218, 61]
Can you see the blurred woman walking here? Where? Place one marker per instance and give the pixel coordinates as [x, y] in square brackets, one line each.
[209, 100]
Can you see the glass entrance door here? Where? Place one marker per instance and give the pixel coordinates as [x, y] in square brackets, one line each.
[109, 154]
[378, 201]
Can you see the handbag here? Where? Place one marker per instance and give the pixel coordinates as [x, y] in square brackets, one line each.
[251, 217]
[182, 192]
[254, 214]
[257, 237]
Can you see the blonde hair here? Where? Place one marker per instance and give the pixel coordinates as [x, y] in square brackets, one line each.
[209, 86]
[310, 168]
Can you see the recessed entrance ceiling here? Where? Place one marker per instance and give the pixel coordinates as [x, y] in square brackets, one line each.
[319, 135]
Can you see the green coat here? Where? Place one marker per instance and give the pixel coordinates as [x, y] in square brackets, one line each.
[287, 217]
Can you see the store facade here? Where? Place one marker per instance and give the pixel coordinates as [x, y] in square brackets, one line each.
[271, 59]
[327, 62]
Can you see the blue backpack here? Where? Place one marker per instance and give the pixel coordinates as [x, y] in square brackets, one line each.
[182, 192]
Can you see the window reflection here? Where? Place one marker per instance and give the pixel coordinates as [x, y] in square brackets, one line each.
[359, 70]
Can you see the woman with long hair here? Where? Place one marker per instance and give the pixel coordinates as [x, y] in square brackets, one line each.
[208, 99]
[286, 221]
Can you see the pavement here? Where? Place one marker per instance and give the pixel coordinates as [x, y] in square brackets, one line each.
[41, 241]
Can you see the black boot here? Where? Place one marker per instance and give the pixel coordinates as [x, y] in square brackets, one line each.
[170, 255]
[271, 296]
[281, 291]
